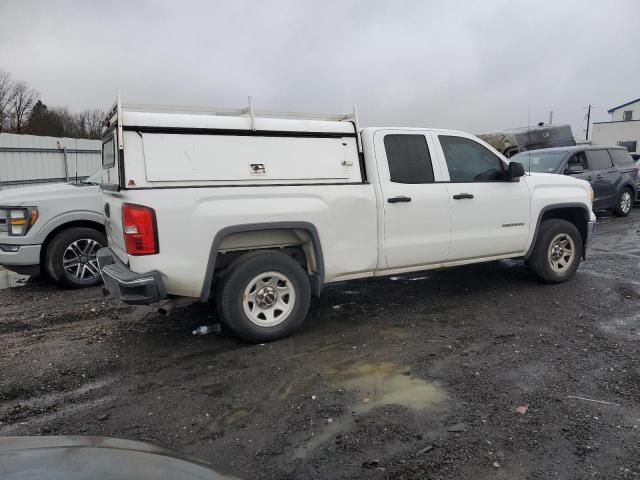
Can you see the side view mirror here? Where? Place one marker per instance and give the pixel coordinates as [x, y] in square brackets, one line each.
[573, 169]
[515, 170]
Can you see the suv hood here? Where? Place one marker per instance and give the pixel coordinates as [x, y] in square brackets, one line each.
[35, 195]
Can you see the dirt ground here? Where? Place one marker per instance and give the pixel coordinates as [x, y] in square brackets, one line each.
[475, 372]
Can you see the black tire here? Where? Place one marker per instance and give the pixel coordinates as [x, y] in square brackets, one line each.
[624, 203]
[58, 252]
[540, 262]
[230, 296]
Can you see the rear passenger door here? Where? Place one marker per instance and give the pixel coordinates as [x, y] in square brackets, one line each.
[415, 207]
[603, 177]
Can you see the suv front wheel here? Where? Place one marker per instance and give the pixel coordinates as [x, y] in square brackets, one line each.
[557, 251]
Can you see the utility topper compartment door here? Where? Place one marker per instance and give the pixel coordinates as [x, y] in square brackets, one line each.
[249, 158]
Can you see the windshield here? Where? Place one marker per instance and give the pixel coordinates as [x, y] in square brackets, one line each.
[541, 161]
[94, 179]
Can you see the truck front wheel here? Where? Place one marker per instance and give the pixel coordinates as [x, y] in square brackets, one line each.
[557, 252]
[264, 296]
[70, 258]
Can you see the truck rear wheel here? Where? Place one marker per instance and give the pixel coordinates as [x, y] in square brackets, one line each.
[70, 258]
[264, 296]
[557, 252]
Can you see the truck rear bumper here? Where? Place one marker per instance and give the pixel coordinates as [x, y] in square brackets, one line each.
[130, 287]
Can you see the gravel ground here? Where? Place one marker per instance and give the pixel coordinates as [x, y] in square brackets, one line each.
[475, 372]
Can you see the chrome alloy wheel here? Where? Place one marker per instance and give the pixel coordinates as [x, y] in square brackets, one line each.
[562, 253]
[269, 299]
[79, 259]
[625, 202]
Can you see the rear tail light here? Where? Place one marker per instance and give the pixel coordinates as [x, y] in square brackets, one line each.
[140, 229]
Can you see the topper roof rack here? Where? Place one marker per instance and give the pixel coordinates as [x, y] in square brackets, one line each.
[118, 107]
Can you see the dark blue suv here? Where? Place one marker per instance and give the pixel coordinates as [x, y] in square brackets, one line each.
[611, 172]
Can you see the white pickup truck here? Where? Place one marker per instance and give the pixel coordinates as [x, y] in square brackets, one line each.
[259, 210]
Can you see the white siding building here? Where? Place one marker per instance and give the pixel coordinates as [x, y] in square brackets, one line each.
[32, 160]
[623, 129]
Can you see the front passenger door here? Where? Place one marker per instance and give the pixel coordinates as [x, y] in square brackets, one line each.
[490, 216]
[578, 159]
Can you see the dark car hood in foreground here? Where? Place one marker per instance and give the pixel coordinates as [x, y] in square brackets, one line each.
[75, 458]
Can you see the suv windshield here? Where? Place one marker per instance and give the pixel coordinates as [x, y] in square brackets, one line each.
[539, 161]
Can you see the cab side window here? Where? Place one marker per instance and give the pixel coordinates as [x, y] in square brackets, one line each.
[409, 159]
[599, 159]
[578, 159]
[468, 161]
[108, 153]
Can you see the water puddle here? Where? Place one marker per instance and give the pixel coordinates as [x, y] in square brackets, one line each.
[10, 279]
[377, 384]
[237, 414]
[389, 384]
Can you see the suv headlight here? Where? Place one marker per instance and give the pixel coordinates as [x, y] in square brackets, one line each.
[18, 220]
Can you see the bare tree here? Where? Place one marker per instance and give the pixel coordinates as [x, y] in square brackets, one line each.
[21, 111]
[24, 98]
[6, 98]
[89, 123]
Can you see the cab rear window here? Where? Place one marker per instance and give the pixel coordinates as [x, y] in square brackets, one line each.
[108, 153]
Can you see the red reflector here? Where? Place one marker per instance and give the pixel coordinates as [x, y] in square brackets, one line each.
[139, 228]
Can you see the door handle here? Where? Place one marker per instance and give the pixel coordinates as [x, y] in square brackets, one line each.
[598, 176]
[589, 178]
[398, 199]
[461, 196]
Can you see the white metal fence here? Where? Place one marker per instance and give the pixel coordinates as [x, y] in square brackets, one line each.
[33, 160]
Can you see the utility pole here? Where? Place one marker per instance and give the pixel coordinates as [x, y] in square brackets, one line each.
[550, 117]
[588, 121]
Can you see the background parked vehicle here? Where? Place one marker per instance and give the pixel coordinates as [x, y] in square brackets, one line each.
[81, 458]
[610, 170]
[515, 140]
[56, 229]
[287, 203]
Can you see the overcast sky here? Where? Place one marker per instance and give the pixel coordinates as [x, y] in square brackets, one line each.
[469, 65]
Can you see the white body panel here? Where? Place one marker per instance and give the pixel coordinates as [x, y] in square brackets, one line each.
[199, 184]
[188, 220]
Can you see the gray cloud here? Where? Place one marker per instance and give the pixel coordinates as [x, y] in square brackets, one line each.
[474, 66]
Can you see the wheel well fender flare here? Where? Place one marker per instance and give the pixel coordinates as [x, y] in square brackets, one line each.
[65, 226]
[558, 210]
[317, 278]
[629, 186]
